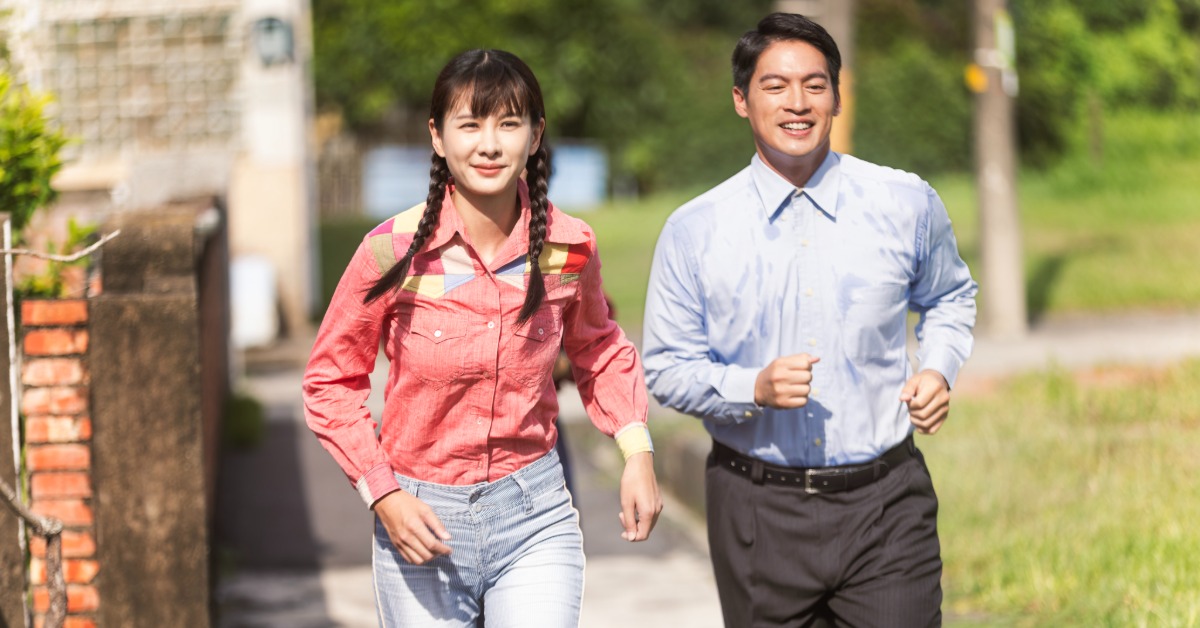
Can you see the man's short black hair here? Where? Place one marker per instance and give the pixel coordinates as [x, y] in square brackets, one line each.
[783, 27]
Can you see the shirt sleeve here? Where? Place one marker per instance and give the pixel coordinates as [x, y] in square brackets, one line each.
[604, 362]
[337, 381]
[943, 293]
[679, 368]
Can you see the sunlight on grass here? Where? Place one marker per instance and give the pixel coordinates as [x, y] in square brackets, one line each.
[1073, 500]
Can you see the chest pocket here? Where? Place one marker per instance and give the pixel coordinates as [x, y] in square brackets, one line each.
[874, 323]
[436, 349]
[534, 347]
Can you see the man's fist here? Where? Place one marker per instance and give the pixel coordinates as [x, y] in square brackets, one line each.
[785, 382]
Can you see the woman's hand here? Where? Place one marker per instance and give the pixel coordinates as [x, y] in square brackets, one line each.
[640, 499]
[413, 527]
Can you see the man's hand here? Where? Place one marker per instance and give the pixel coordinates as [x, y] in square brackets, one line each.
[413, 527]
[640, 499]
[785, 382]
[928, 397]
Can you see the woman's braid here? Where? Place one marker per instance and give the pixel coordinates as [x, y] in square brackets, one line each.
[439, 179]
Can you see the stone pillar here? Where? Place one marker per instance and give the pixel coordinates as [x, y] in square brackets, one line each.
[151, 510]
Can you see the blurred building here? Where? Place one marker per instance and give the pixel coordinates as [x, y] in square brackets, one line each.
[171, 100]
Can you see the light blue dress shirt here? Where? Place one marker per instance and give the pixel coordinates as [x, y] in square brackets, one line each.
[755, 269]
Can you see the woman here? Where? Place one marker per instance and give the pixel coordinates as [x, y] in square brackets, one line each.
[471, 294]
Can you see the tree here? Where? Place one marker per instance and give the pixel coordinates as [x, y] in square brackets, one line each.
[648, 80]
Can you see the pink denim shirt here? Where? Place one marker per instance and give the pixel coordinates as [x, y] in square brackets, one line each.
[469, 396]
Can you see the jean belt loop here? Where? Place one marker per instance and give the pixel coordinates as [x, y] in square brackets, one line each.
[526, 499]
[756, 472]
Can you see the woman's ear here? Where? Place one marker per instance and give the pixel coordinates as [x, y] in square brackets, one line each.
[436, 139]
[538, 130]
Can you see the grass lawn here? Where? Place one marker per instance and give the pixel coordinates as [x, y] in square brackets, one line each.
[1072, 500]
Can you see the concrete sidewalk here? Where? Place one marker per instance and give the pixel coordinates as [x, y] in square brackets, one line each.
[296, 536]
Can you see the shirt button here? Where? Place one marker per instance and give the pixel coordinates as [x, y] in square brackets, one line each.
[804, 243]
[815, 392]
[478, 421]
[541, 331]
[748, 414]
[812, 342]
[817, 442]
[437, 333]
[477, 507]
[810, 415]
[491, 325]
[808, 292]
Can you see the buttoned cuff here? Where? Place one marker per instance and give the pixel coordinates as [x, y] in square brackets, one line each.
[943, 362]
[377, 483]
[737, 389]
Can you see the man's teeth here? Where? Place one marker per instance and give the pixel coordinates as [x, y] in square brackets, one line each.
[798, 126]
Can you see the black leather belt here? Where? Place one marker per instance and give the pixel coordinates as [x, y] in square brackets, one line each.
[814, 479]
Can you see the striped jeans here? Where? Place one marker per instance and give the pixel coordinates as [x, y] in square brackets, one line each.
[516, 560]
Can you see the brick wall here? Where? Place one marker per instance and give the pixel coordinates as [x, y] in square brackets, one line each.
[58, 439]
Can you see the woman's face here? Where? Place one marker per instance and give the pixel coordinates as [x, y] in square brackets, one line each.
[486, 156]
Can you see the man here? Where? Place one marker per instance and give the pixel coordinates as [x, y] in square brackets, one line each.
[776, 312]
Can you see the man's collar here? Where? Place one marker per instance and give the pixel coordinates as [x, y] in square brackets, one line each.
[775, 191]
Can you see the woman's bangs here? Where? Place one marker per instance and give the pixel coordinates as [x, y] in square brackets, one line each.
[501, 93]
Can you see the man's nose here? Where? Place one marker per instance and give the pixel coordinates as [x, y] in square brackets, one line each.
[797, 99]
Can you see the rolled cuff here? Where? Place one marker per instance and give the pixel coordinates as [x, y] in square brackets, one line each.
[377, 483]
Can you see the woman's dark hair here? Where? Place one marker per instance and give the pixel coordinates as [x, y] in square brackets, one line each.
[783, 27]
[496, 83]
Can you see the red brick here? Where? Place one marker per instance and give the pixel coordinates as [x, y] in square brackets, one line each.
[56, 342]
[57, 312]
[53, 372]
[57, 429]
[74, 545]
[57, 400]
[59, 485]
[72, 512]
[75, 571]
[58, 458]
[80, 598]
[71, 621]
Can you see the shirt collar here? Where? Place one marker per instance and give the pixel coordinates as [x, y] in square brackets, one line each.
[775, 191]
[560, 229]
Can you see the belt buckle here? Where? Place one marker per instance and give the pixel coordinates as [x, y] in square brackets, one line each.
[808, 486]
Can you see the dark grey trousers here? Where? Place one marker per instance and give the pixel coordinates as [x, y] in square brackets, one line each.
[866, 557]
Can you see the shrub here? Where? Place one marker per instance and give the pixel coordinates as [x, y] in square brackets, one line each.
[29, 148]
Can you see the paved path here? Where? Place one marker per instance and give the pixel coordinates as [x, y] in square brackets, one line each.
[296, 537]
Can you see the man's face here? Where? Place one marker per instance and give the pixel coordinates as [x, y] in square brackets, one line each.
[790, 103]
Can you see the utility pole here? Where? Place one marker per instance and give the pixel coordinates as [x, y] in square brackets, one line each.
[993, 78]
[837, 16]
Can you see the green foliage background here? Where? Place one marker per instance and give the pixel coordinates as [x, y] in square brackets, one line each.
[29, 147]
[1077, 62]
[650, 80]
